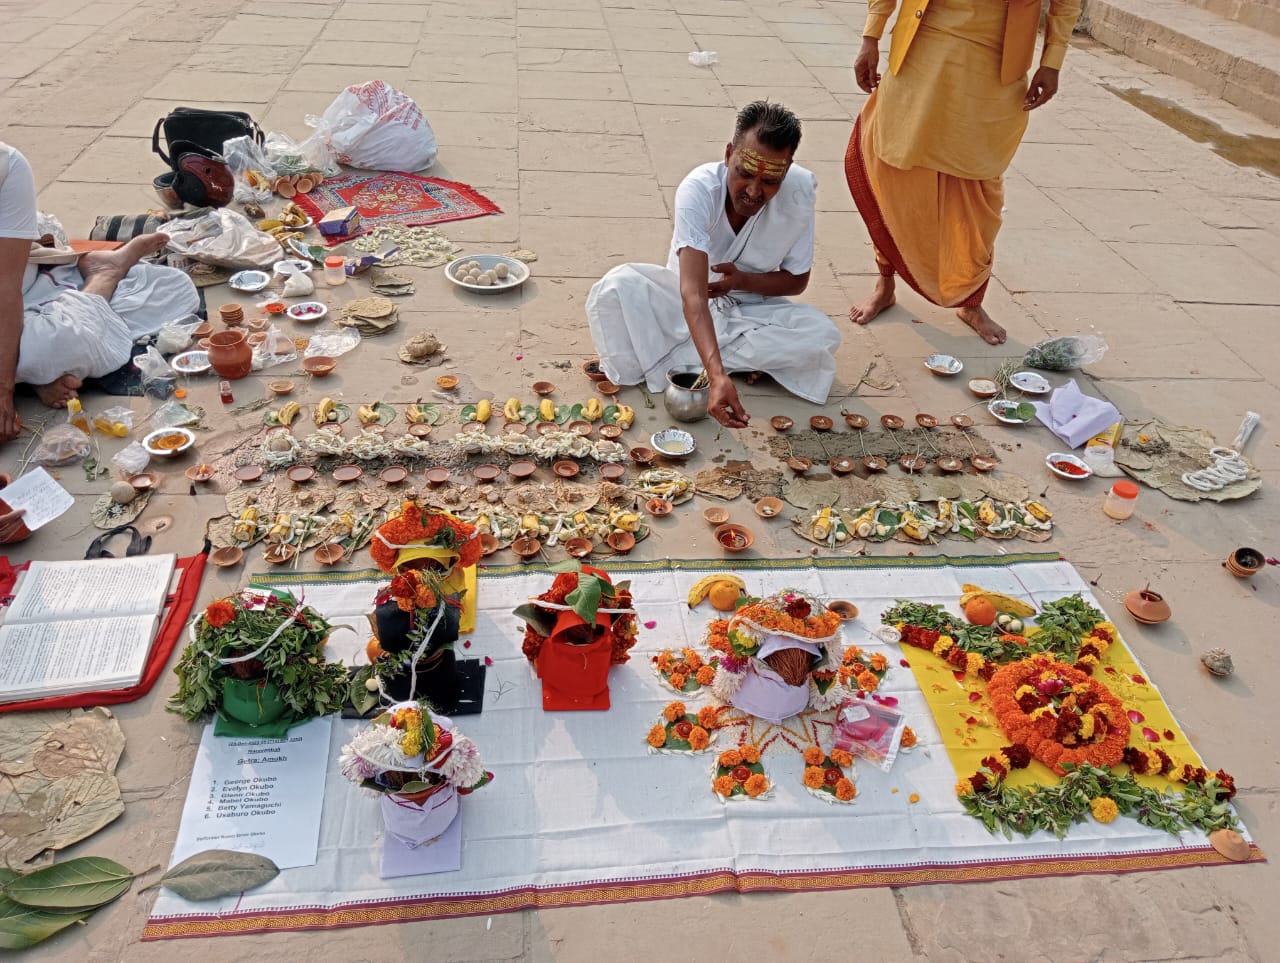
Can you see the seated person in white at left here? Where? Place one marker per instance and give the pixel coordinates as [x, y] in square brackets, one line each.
[742, 246]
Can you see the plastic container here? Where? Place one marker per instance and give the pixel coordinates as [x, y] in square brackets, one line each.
[76, 415]
[224, 390]
[1122, 499]
[335, 270]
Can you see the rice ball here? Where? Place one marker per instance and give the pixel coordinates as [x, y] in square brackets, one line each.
[500, 271]
[485, 280]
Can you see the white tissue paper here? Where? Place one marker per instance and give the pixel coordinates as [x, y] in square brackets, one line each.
[1075, 417]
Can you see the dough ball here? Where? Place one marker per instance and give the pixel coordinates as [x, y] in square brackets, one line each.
[500, 271]
[485, 280]
[473, 266]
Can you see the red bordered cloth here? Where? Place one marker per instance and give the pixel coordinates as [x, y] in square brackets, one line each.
[177, 609]
[395, 198]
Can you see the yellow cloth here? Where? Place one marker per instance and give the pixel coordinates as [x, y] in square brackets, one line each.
[968, 742]
[945, 108]
[1019, 33]
[459, 580]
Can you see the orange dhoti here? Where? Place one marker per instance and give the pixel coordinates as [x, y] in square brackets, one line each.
[928, 153]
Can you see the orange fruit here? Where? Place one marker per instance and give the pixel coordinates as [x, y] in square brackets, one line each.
[724, 596]
[373, 649]
[980, 611]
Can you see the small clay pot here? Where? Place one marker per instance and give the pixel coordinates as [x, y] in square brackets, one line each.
[926, 421]
[892, 422]
[592, 370]
[612, 472]
[949, 463]
[621, 542]
[393, 474]
[474, 428]
[300, 473]
[842, 465]
[874, 463]
[248, 473]
[734, 538]
[319, 366]
[515, 428]
[419, 431]
[226, 557]
[521, 469]
[566, 468]
[658, 507]
[489, 543]
[607, 388]
[543, 388]
[1244, 562]
[578, 547]
[200, 473]
[347, 473]
[642, 455]
[610, 432]
[715, 516]
[781, 423]
[855, 421]
[329, 554]
[1147, 607]
[486, 473]
[581, 427]
[526, 547]
[962, 421]
[983, 463]
[799, 465]
[447, 382]
[912, 464]
[769, 507]
[280, 387]
[821, 423]
[846, 610]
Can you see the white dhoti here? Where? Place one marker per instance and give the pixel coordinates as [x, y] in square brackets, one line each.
[66, 331]
[638, 326]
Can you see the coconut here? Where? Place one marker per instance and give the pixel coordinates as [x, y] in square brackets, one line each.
[279, 442]
[1218, 662]
[122, 493]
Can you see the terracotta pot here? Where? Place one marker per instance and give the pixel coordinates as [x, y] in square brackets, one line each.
[230, 354]
[1244, 562]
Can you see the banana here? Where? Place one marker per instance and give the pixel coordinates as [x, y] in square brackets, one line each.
[701, 587]
[987, 513]
[270, 224]
[246, 525]
[367, 414]
[822, 524]
[593, 410]
[530, 523]
[288, 412]
[325, 410]
[626, 416]
[628, 522]
[547, 409]
[511, 410]
[282, 529]
[413, 414]
[345, 524]
[484, 410]
[483, 524]
[864, 526]
[1040, 512]
[1002, 602]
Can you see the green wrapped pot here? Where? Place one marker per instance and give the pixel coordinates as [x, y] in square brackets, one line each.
[254, 703]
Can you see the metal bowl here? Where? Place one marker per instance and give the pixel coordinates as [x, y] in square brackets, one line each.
[518, 273]
[673, 443]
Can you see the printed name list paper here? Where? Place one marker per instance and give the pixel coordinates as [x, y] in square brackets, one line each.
[259, 796]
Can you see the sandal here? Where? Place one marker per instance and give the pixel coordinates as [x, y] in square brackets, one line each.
[139, 544]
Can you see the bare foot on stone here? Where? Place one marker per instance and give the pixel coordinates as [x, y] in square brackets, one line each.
[978, 319]
[57, 393]
[881, 299]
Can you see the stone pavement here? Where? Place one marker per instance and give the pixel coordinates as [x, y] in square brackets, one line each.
[579, 117]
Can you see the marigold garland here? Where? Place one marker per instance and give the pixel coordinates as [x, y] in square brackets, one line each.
[625, 627]
[756, 785]
[419, 525]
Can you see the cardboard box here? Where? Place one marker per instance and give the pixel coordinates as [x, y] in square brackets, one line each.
[341, 221]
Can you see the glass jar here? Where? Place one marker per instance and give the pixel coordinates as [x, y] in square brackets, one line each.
[335, 270]
[1121, 500]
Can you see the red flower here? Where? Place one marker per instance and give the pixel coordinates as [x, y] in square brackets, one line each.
[741, 773]
[683, 729]
[799, 608]
[220, 613]
[832, 776]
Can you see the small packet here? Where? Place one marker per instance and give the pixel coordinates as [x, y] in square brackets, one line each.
[115, 422]
[1099, 452]
[131, 459]
[871, 730]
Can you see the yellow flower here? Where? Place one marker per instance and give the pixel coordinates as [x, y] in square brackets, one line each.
[973, 662]
[1086, 726]
[963, 788]
[1104, 810]
[944, 643]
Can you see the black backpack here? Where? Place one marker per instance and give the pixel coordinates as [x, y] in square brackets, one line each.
[208, 129]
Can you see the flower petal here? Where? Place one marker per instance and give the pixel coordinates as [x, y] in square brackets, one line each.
[651, 625]
[1150, 734]
[1135, 716]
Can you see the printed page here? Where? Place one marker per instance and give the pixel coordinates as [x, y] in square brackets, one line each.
[56, 658]
[92, 589]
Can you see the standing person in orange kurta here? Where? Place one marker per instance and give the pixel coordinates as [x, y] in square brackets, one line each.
[928, 153]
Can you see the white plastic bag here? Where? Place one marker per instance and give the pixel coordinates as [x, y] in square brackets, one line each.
[287, 157]
[276, 348]
[331, 344]
[243, 155]
[131, 459]
[61, 445]
[176, 335]
[376, 127]
[1065, 353]
[222, 237]
[158, 379]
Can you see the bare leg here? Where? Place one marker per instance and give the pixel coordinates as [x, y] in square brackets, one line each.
[57, 393]
[881, 298]
[103, 270]
[981, 322]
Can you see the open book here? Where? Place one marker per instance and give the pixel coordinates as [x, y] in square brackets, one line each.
[82, 626]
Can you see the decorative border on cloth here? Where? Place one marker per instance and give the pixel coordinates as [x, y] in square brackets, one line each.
[864, 198]
[416, 909]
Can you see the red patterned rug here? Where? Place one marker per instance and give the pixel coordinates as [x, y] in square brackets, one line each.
[392, 198]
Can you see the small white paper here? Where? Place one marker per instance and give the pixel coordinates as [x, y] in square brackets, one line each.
[442, 855]
[1074, 416]
[40, 495]
[259, 796]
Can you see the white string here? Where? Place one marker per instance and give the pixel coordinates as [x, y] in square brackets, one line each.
[265, 645]
[569, 608]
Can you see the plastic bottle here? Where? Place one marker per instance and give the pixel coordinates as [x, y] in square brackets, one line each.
[335, 270]
[1121, 500]
[76, 415]
[224, 390]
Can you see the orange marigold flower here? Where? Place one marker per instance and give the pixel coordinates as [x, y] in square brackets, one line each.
[220, 613]
[678, 680]
[699, 739]
[868, 682]
[879, 662]
[706, 675]
[757, 785]
[813, 777]
[964, 788]
[842, 757]
[673, 712]
[813, 755]
[424, 598]
[708, 717]
[723, 786]
[845, 790]
[851, 654]
[1104, 810]
[750, 755]
[693, 659]
[908, 737]
[657, 737]
[664, 660]
[913, 798]
[729, 758]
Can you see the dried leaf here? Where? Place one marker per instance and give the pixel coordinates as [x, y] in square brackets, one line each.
[78, 884]
[218, 872]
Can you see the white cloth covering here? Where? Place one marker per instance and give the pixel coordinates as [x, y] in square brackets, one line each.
[637, 318]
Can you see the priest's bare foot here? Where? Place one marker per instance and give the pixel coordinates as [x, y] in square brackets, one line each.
[103, 270]
[57, 393]
[881, 298]
[978, 319]
[754, 376]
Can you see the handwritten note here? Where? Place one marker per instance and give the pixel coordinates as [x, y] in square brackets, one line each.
[257, 795]
[39, 495]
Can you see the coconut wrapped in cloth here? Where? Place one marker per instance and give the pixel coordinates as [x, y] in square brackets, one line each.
[574, 632]
[785, 658]
[429, 603]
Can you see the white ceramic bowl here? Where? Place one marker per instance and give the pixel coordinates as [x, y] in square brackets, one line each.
[673, 443]
[944, 364]
[148, 442]
[518, 273]
[998, 409]
[249, 281]
[1053, 457]
[1030, 383]
[296, 311]
[191, 362]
